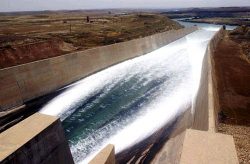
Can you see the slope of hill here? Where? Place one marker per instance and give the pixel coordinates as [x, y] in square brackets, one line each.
[26, 38]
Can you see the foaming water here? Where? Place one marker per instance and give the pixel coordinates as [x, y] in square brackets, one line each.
[128, 102]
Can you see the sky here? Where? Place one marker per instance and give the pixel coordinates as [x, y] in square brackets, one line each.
[34, 5]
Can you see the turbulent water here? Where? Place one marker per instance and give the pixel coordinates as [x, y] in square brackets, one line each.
[127, 102]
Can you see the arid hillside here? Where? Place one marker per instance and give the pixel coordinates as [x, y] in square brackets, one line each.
[26, 37]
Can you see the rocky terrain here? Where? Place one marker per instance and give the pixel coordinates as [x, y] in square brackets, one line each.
[31, 36]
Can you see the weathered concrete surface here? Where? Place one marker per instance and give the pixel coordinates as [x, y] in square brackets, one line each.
[200, 121]
[22, 83]
[38, 139]
[171, 151]
[208, 148]
[105, 156]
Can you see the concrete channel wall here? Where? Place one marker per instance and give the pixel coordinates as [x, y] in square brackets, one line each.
[213, 104]
[22, 83]
[206, 104]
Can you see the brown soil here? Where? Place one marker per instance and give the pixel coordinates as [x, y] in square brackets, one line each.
[233, 79]
[15, 55]
[27, 38]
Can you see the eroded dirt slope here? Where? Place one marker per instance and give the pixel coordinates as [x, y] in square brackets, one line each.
[233, 79]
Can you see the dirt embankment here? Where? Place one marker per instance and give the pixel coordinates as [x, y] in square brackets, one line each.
[27, 38]
[15, 55]
[233, 79]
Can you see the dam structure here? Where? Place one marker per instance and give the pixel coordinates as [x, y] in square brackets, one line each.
[126, 103]
[148, 96]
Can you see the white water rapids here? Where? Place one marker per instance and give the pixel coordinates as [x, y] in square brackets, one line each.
[128, 102]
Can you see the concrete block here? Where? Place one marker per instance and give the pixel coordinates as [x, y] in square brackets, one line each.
[35, 140]
[202, 147]
[105, 156]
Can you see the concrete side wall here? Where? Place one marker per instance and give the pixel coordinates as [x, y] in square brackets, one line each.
[214, 106]
[22, 83]
[200, 121]
[39, 139]
[206, 105]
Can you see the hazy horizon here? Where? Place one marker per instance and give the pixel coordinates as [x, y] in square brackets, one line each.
[40, 5]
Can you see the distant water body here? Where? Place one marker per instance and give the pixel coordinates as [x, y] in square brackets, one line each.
[202, 25]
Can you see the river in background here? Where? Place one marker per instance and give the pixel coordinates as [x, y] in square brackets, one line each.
[126, 103]
[202, 25]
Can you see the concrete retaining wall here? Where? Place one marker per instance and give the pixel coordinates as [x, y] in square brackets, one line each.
[206, 104]
[213, 106]
[39, 139]
[22, 83]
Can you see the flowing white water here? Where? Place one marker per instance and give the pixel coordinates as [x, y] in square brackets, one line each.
[149, 91]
